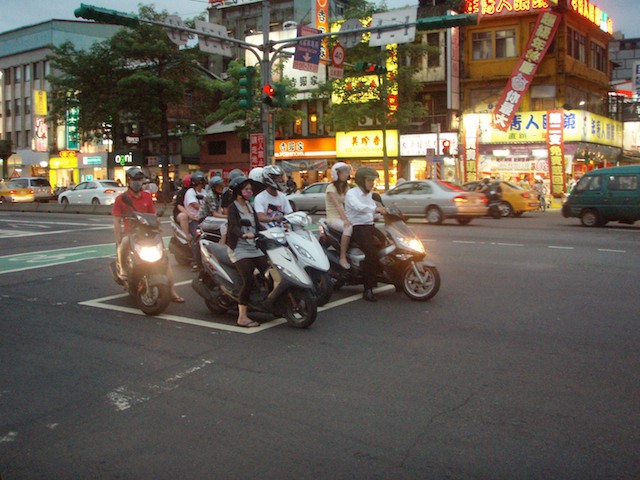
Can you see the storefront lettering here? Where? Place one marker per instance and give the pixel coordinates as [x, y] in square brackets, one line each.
[124, 159]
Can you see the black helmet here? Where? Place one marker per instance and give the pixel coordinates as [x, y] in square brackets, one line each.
[273, 176]
[198, 178]
[237, 184]
[215, 180]
[134, 173]
[236, 172]
[363, 173]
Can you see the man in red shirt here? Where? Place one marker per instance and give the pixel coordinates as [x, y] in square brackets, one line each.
[143, 203]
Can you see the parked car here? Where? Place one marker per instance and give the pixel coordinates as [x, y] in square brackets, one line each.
[437, 200]
[515, 199]
[40, 186]
[310, 197]
[95, 192]
[11, 192]
[605, 195]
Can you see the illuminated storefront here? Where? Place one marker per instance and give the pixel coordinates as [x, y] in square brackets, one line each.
[120, 161]
[418, 151]
[305, 159]
[365, 149]
[525, 151]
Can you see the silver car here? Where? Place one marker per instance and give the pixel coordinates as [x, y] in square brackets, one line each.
[436, 200]
[309, 198]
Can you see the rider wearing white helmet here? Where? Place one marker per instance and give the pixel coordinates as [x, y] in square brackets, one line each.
[272, 204]
[256, 175]
[334, 206]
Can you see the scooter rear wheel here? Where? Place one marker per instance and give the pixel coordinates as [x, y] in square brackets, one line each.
[423, 287]
[300, 308]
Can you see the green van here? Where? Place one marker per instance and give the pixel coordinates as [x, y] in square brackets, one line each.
[605, 195]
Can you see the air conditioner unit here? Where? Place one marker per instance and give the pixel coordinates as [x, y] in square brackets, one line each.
[289, 25]
[365, 122]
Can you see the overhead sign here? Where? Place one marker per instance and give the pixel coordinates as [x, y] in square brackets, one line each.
[521, 78]
[307, 54]
[401, 17]
[350, 40]
[178, 37]
[213, 45]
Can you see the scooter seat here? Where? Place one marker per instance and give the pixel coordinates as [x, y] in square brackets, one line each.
[221, 253]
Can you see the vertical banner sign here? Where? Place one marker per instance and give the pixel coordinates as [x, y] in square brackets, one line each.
[522, 76]
[256, 149]
[73, 115]
[392, 80]
[636, 80]
[40, 102]
[322, 24]
[555, 145]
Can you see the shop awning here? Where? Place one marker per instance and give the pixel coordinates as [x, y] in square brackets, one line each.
[308, 165]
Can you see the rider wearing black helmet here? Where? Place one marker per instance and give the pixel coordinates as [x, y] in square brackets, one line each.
[193, 201]
[243, 252]
[141, 201]
[361, 209]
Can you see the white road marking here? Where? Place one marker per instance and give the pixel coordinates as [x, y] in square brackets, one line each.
[123, 397]
[610, 250]
[511, 244]
[100, 303]
[561, 248]
[52, 232]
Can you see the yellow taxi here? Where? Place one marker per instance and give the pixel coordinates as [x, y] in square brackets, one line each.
[14, 193]
[515, 199]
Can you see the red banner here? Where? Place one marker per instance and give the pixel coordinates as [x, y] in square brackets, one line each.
[256, 149]
[555, 145]
[522, 76]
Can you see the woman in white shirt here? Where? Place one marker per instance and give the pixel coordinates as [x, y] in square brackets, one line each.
[334, 205]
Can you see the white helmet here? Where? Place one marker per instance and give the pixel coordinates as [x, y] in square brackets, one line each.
[337, 167]
[256, 174]
[273, 176]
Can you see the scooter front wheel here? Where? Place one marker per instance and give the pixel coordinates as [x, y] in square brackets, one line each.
[152, 299]
[300, 308]
[322, 286]
[421, 285]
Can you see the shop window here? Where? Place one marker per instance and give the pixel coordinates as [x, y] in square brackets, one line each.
[481, 45]
[577, 45]
[598, 57]
[505, 43]
[433, 54]
[217, 147]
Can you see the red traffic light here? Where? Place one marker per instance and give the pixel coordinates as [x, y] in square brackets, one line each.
[446, 147]
[269, 90]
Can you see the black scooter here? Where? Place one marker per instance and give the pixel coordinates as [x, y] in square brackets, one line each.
[146, 263]
[402, 259]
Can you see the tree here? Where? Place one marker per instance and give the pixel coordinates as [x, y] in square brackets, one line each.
[137, 74]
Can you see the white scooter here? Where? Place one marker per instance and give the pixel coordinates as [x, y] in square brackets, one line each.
[310, 254]
[285, 289]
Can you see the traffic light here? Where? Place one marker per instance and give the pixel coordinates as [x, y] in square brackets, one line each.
[105, 15]
[276, 95]
[446, 147]
[247, 74]
[370, 68]
[270, 93]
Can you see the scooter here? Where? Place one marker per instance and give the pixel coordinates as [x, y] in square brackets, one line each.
[145, 264]
[285, 290]
[310, 254]
[180, 246]
[402, 259]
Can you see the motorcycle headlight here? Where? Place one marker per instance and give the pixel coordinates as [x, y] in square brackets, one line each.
[149, 254]
[301, 251]
[412, 244]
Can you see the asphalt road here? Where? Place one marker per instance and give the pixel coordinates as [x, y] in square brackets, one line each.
[525, 365]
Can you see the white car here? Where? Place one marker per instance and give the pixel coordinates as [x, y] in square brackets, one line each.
[95, 192]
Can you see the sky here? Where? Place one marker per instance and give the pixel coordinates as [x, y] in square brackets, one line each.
[19, 13]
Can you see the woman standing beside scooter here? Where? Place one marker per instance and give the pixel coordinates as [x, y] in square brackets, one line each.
[243, 227]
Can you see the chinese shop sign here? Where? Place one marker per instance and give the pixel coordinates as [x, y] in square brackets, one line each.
[522, 76]
[256, 150]
[366, 143]
[555, 145]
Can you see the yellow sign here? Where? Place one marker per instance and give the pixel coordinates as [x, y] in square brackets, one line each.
[63, 162]
[531, 127]
[365, 143]
[40, 102]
